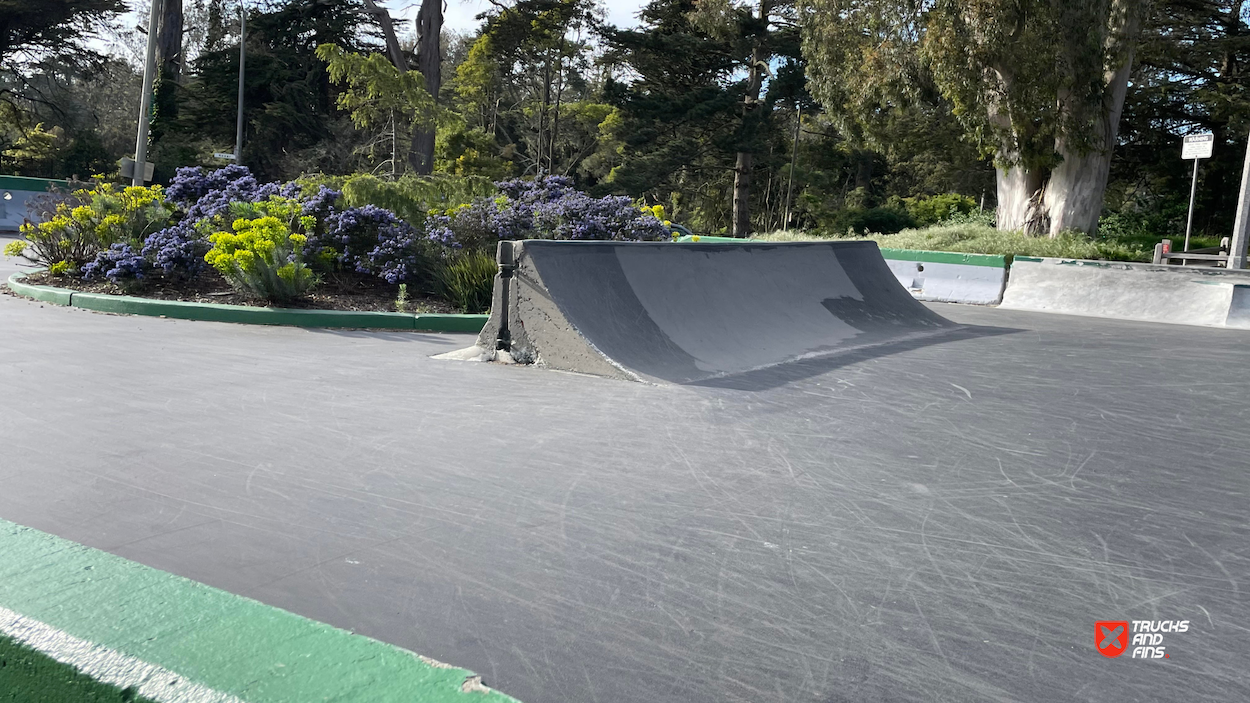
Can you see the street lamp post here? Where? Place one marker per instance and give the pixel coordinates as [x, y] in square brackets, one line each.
[145, 101]
[238, 127]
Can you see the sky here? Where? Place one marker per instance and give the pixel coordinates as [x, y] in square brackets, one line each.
[460, 13]
[457, 17]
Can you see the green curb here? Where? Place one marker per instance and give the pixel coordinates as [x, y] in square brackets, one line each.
[934, 257]
[997, 261]
[48, 294]
[446, 322]
[166, 638]
[242, 314]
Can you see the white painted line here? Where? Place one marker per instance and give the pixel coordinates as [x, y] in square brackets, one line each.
[106, 665]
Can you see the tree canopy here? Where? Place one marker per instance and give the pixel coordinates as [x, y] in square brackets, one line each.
[737, 116]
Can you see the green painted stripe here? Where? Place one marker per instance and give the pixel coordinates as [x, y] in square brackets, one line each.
[243, 314]
[946, 257]
[37, 185]
[217, 643]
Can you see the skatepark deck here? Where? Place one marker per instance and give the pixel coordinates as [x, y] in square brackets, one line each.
[937, 521]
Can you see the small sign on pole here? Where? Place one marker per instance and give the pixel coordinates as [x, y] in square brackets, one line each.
[1195, 146]
[223, 155]
[127, 165]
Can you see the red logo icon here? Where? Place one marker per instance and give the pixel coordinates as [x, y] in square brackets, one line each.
[1111, 636]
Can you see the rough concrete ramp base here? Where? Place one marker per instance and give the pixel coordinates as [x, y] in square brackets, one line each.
[1187, 295]
[684, 313]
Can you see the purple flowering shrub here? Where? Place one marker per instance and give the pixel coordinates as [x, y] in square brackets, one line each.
[208, 201]
[373, 240]
[120, 263]
[205, 195]
[545, 208]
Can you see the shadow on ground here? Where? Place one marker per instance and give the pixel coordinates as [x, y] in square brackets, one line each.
[789, 372]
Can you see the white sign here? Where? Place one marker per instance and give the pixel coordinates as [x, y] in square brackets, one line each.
[128, 168]
[1197, 146]
[231, 156]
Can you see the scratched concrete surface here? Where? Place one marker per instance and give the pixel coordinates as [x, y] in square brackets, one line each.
[939, 522]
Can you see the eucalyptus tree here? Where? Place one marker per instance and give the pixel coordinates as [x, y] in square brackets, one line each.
[1038, 85]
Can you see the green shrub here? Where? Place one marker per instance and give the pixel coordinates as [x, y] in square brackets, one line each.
[979, 238]
[467, 280]
[262, 257]
[1145, 230]
[409, 196]
[857, 221]
[89, 221]
[932, 209]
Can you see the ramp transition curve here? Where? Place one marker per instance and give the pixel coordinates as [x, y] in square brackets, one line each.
[683, 313]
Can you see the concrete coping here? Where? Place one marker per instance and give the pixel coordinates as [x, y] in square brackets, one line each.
[243, 314]
[1235, 276]
[128, 627]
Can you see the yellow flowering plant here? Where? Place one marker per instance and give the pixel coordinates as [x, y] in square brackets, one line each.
[89, 220]
[262, 256]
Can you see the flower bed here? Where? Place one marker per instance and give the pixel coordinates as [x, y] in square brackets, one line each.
[222, 237]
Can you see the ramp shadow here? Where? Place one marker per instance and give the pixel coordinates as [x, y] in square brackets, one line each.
[792, 371]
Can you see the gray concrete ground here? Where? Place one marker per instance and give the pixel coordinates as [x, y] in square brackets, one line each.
[938, 522]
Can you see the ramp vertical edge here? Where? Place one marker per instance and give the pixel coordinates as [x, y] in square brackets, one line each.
[166, 638]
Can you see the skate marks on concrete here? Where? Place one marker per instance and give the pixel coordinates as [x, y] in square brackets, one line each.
[946, 522]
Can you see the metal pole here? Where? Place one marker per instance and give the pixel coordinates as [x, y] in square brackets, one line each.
[238, 127]
[1241, 229]
[1189, 221]
[506, 256]
[145, 101]
[794, 158]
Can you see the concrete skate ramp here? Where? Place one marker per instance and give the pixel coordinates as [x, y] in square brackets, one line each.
[683, 313]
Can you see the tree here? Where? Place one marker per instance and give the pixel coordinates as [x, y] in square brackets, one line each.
[380, 95]
[699, 111]
[754, 28]
[1190, 76]
[527, 82]
[291, 120]
[1038, 85]
[49, 33]
[429, 63]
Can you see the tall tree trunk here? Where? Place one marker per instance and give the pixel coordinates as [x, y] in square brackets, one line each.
[1019, 198]
[169, 40]
[429, 63]
[746, 160]
[393, 51]
[168, 68]
[1075, 194]
[742, 195]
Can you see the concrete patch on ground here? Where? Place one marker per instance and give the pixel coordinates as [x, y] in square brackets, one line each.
[1188, 295]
